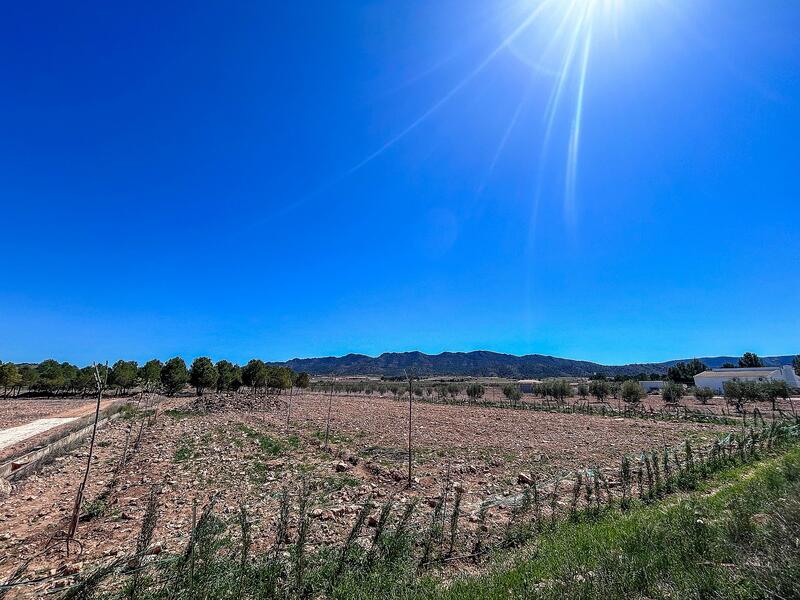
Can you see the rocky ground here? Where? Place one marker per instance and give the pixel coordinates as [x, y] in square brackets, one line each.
[242, 451]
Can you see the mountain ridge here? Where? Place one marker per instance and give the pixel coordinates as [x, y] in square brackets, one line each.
[484, 363]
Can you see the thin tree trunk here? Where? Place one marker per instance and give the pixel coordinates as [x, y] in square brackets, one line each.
[79, 496]
[410, 395]
[328, 421]
[289, 406]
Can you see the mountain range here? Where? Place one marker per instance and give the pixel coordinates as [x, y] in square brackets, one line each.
[483, 363]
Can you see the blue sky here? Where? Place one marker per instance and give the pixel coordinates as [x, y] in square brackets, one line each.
[316, 178]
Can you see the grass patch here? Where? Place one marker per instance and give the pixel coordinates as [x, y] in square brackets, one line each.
[333, 438]
[334, 483]
[185, 452]
[182, 413]
[269, 445]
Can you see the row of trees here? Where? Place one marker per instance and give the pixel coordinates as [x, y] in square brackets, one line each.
[53, 377]
[740, 392]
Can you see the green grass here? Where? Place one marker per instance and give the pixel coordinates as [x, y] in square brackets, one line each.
[690, 547]
[179, 413]
[269, 445]
[185, 452]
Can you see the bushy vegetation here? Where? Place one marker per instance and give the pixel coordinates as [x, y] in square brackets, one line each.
[632, 391]
[703, 394]
[672, 392]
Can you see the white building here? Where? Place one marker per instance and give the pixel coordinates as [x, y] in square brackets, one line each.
[715, 378]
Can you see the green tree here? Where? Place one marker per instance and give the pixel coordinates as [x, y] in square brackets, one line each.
[560, 389]
[750, 360]
[230, 376]
[254, 374]
[303, 380]
[10, 377]
[123, 375]
[203, 374]
[728, 365]
[796, 364]
[599, 389]
[773, 390]
[50, 376]
[30, 376]
[583, 391]
[703, 394]
[174, 376]
[475, 391]
[85, 380]
[150, 374]
[684, 372]
[632, 391]
[672, 392]
[279, 378]
[512, 392]
[734, 393]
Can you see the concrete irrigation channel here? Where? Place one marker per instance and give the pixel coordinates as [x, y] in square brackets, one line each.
[31, 460]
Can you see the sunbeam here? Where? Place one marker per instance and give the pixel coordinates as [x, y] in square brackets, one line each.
[540, 8]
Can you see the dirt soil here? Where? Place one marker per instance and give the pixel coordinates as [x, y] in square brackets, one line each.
[246, 455]
[18, 411]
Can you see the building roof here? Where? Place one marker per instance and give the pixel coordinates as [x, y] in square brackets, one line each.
[754, 372]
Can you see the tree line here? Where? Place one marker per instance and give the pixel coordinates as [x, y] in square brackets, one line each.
[53, 377]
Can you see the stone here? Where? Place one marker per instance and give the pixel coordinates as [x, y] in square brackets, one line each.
[524, 479]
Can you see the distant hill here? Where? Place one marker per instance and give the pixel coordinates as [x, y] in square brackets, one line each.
[487, 364]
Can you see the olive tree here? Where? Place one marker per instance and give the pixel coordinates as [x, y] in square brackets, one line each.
[735, 393]
[632, 391]
[599, 389]
[672, 392]
[772, 390]
[703, 394]
[512, 392]
[202, 374]
[174, 375]
[475, 391]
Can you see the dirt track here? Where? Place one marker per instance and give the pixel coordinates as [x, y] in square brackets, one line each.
[20, 433]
